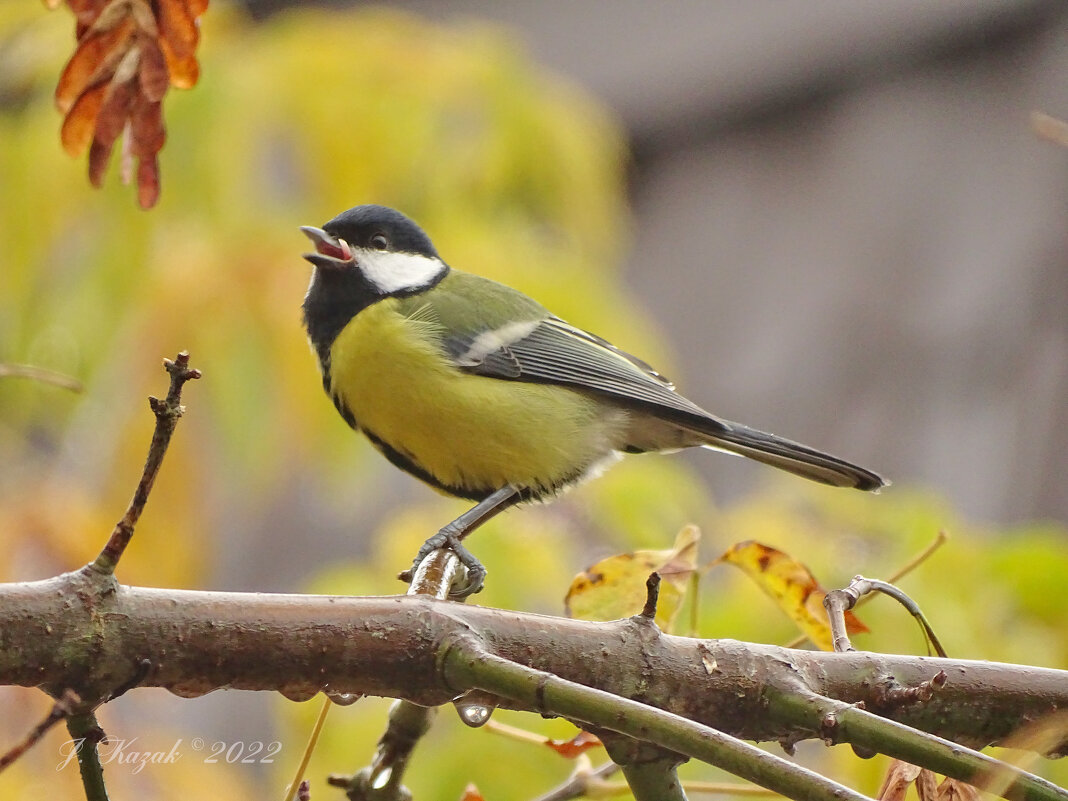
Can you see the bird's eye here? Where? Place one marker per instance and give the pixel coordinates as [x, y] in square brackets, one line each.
[379, 242]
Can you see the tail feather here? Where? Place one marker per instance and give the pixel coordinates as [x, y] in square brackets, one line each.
[790, 456]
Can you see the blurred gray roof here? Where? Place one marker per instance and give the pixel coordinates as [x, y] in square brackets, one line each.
[668, 66]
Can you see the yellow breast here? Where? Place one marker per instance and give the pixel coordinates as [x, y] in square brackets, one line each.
[469, 432]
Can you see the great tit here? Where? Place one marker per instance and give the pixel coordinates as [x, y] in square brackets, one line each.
[481, 392]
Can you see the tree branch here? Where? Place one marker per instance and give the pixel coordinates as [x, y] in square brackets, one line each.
[69, 632]
[60, 633]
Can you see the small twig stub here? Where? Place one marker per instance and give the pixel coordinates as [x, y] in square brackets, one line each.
[652, 597]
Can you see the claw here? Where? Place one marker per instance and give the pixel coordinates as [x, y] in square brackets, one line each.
[476, 573]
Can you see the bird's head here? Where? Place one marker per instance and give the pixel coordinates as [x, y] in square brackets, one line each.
[362, 256]
[377, 247]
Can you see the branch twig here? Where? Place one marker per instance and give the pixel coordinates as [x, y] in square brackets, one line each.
[41, 374]
[918, 559]
[584, 778]
[904, 570]
[652, 596]
[837, 602]
[167, 412]
[87, 735]
[468, 665]
[294, 787]
[842, 722]
[61, 709]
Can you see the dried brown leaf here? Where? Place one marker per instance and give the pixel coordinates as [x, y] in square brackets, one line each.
[93, 62]
[579, 744]
[184, 71]
[146, 128]
[129, 53]
[927, 786]
[898, 778]
[153, 76]
[178, 28]
[141, 11]
[80, 122]
[86, 13]
[147, 182]
[99, 156]
[115, 111]
[106, 15]
[956, 790]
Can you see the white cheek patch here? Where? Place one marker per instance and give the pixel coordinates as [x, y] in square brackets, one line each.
[397, 272]
[491, 341]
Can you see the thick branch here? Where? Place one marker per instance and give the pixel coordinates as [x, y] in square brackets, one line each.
[68, 632]
[549, 694]
[842, 722]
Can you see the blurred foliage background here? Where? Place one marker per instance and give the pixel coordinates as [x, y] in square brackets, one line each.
[516, 175]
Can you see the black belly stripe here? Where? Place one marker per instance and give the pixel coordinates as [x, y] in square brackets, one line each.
[342, 409]
[408, 465]
[345, 412]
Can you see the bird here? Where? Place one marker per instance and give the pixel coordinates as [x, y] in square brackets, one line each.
[481, 392]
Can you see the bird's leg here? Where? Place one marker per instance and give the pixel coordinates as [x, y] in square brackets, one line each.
[451, 535]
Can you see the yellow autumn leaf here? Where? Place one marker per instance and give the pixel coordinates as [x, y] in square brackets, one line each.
[792, 586]
[615, 587]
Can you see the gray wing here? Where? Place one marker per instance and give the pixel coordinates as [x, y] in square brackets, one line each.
[554, 352]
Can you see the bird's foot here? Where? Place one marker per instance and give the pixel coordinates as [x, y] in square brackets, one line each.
[446, 538]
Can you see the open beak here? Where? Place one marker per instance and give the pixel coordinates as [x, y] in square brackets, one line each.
[329, 252]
